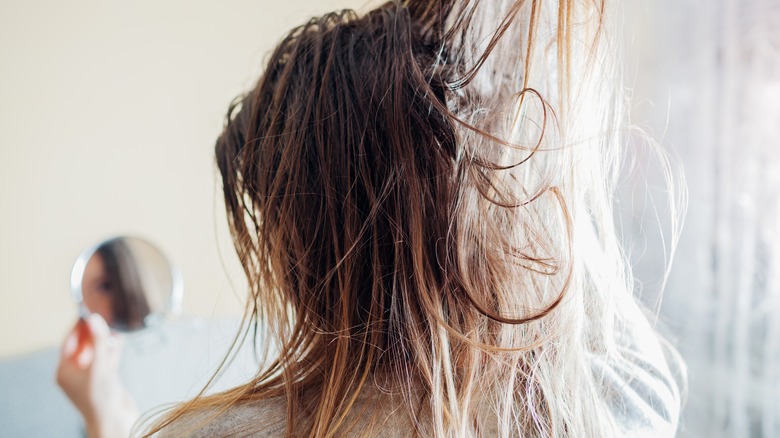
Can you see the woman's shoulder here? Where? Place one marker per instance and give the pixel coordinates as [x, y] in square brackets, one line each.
[258, 419]
[373, 414]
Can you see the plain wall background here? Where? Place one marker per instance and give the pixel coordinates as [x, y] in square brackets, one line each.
[108, 114]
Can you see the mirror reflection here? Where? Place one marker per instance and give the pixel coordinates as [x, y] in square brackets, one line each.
[128, 281]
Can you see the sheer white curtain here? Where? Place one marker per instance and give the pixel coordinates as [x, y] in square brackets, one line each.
[707, 84]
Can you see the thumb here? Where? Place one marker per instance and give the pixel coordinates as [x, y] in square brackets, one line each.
[98, 327]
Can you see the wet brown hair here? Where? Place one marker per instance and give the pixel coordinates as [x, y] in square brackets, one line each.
[384, 221]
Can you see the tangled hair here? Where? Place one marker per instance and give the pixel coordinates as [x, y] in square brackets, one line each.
[421, 199]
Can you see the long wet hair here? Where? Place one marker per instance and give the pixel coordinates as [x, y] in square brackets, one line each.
[421, 199]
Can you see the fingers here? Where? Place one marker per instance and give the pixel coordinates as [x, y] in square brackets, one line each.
[91, 338]
[70, 345]
[85, 349]
[77, 348]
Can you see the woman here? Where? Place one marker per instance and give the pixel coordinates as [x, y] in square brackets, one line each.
[421, 198]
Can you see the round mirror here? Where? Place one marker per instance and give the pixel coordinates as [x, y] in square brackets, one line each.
[128, 281]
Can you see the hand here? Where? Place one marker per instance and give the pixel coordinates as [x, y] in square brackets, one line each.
[88, 373]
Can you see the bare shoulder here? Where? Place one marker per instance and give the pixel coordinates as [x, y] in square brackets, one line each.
[257, 419]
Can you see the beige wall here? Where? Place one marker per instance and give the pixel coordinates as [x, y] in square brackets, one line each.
[108, 114]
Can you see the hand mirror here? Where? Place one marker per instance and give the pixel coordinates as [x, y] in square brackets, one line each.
[128, 281]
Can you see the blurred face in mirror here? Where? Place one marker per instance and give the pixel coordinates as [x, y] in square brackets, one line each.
[112, 287]
[96, 290]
